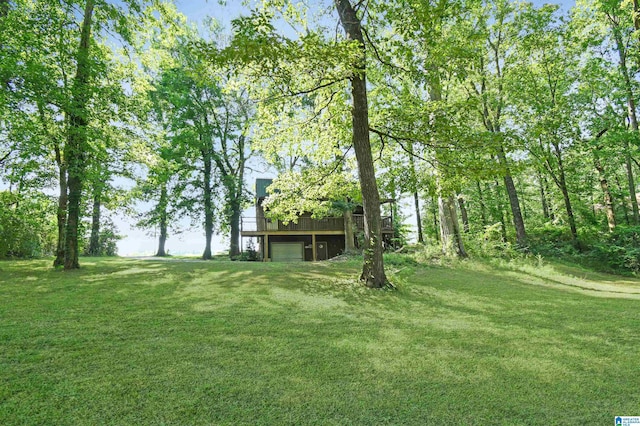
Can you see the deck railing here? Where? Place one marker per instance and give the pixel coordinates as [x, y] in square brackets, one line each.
[261, 224]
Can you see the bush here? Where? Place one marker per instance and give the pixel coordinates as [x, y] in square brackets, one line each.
[107, 239]
[250, 254]
[27, 225]
[619, 251]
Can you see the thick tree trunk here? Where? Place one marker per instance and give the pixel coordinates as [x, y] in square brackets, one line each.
[373, 273]
[94, 240]
[234, 224]
[514, 202]
[75, 150]
[450, 235]
[349, 235]
[208, 203]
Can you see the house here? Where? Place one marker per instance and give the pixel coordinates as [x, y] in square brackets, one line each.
[308, 239]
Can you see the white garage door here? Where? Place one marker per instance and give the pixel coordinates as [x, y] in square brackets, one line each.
[287, 252]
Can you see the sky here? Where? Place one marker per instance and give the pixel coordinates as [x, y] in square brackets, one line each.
[139, 242]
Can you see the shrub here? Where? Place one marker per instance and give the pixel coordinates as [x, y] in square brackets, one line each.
[250, 254]
[618, 250]
[27, 225]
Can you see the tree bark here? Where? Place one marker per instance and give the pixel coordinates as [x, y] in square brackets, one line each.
[76, 147]
[633, 120]
[503, 222]
[236, 212]
[163, 220]
[543, 195]
[61, 214]
[208, 202]
[373, 274]
[514, 202]
[608, 199]
[434, 215]
[562, 183]
[464, 215]
[94, 240]
[450, 235]
[349, 235]
[416, 198]
[416, 203]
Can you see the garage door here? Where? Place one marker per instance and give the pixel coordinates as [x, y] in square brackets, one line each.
[287, 252]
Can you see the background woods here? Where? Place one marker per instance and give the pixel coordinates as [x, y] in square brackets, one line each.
[506, 127]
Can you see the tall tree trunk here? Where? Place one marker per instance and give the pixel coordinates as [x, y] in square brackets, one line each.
[625, 210]
[543, 195]
[94, 240]
[483, 207]
[464, 215]
[349, 235]
[416, 203]
[604, 185]
[514, 202]
[234, 224]
[434, 215]
[416, 198]
[608, 199]
[633, 119]
[561, 180]
[76, 147]
[163, 223]
[373, 273]
[503, 222]
[208, 202]
[450, 235]
[61, 214]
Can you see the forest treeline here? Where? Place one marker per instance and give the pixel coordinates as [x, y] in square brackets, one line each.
[510, 127]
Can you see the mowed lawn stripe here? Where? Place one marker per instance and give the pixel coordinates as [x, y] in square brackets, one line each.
[154, 342]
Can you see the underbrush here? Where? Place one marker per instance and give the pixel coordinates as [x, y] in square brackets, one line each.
[616, 252]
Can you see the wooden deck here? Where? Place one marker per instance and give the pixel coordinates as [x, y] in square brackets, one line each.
[251, 226]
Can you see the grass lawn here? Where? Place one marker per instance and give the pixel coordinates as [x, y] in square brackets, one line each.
[137, 342]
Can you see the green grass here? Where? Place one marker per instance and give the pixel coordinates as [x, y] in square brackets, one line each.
[185, 342]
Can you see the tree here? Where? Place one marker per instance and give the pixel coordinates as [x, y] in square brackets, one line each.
[373, 273]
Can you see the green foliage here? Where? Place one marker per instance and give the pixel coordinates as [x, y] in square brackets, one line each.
[619, 251]
[27, 226]
[250, 254]
[108, 240]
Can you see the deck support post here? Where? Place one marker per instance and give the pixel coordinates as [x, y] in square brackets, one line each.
[313, 246]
